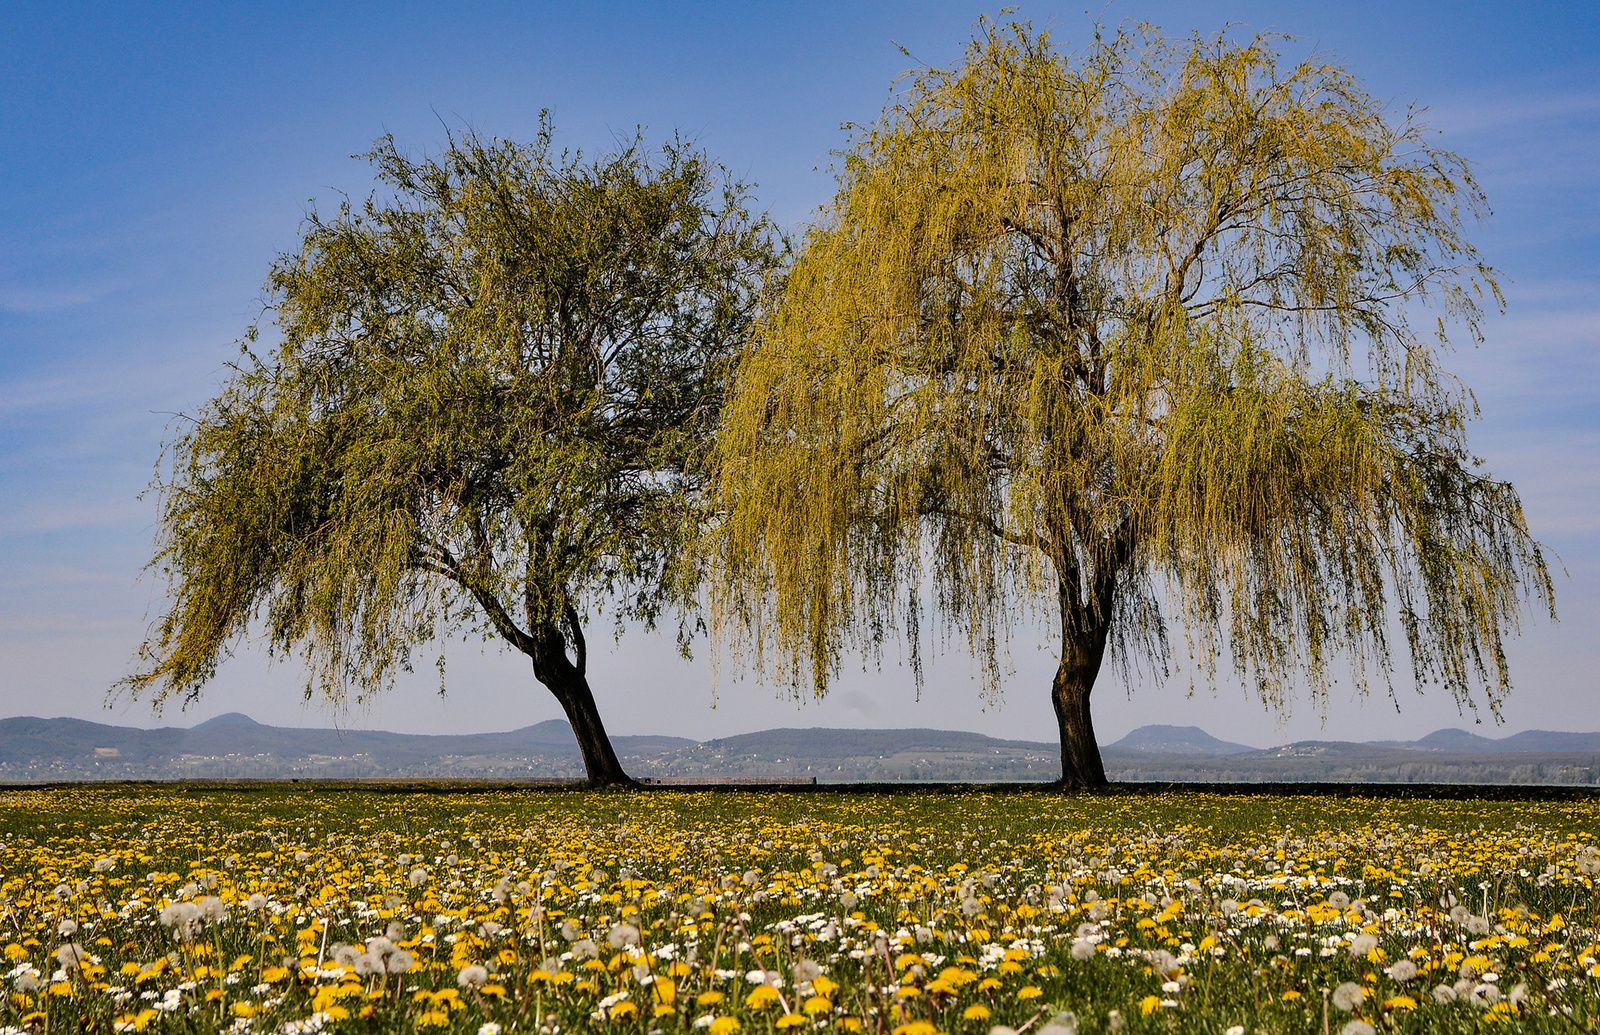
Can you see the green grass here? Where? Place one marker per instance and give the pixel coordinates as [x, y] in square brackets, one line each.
[923, 911]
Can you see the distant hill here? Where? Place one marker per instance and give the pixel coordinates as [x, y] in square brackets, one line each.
[842, 743]
[1549, 740]
[236, 746]
[1453, 740]
[1464, 741]
[1177, 740]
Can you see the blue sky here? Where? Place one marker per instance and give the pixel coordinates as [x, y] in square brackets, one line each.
[157, 156]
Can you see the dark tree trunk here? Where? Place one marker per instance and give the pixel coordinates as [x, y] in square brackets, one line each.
[569, 684]
[1084, 630]
[567, 679]
[1080, 752]
[599, 758]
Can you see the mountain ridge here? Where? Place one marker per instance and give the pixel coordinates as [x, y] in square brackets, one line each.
[234, 745]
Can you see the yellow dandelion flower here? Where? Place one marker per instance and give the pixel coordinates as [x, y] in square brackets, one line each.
[817, 1004]
[761, 997]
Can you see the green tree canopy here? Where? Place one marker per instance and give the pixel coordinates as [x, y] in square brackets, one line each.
[492, 387]
[1141, 335]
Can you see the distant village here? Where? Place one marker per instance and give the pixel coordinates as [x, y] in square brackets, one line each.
[237, 748]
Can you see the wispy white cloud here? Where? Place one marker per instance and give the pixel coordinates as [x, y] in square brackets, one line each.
[1571, 332]
[1538, 367]
[45, 518]
[54, 575]
[16, 299]
[21, 626]
[1559, 482]
[1499, 112]
[53, 392]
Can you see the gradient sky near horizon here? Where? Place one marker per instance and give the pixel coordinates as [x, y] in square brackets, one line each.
[158, 156]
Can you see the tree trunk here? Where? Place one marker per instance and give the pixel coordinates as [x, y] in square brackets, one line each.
[599, 758]
[1084, 629]
[1080, 753]
[569, 684]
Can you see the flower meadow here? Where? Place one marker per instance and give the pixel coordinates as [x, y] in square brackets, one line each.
[298, 910]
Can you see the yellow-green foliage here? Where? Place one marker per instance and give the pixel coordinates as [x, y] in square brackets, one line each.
[490, 383]
[1147, 331]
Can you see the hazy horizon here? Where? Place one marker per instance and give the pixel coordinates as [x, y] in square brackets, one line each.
[1103, 741]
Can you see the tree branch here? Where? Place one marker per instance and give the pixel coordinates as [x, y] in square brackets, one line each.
[443, 564]
[1032, 542]
[580, 647]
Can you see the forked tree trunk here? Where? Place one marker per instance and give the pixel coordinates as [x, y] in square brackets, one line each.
[570, 686]
[1083, 646]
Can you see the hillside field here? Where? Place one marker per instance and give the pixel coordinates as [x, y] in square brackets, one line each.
[299, 908]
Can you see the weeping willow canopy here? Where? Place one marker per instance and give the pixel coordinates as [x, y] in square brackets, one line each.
[1140, 335]
[493, 385]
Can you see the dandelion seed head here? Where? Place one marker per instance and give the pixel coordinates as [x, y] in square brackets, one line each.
[1402, 971]
[1363, 944]
[1348, 996]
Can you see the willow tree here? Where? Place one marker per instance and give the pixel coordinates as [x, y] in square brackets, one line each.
[491, 387]
[1139, 336]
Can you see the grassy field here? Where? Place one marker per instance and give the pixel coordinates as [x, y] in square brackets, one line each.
[294, 909]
